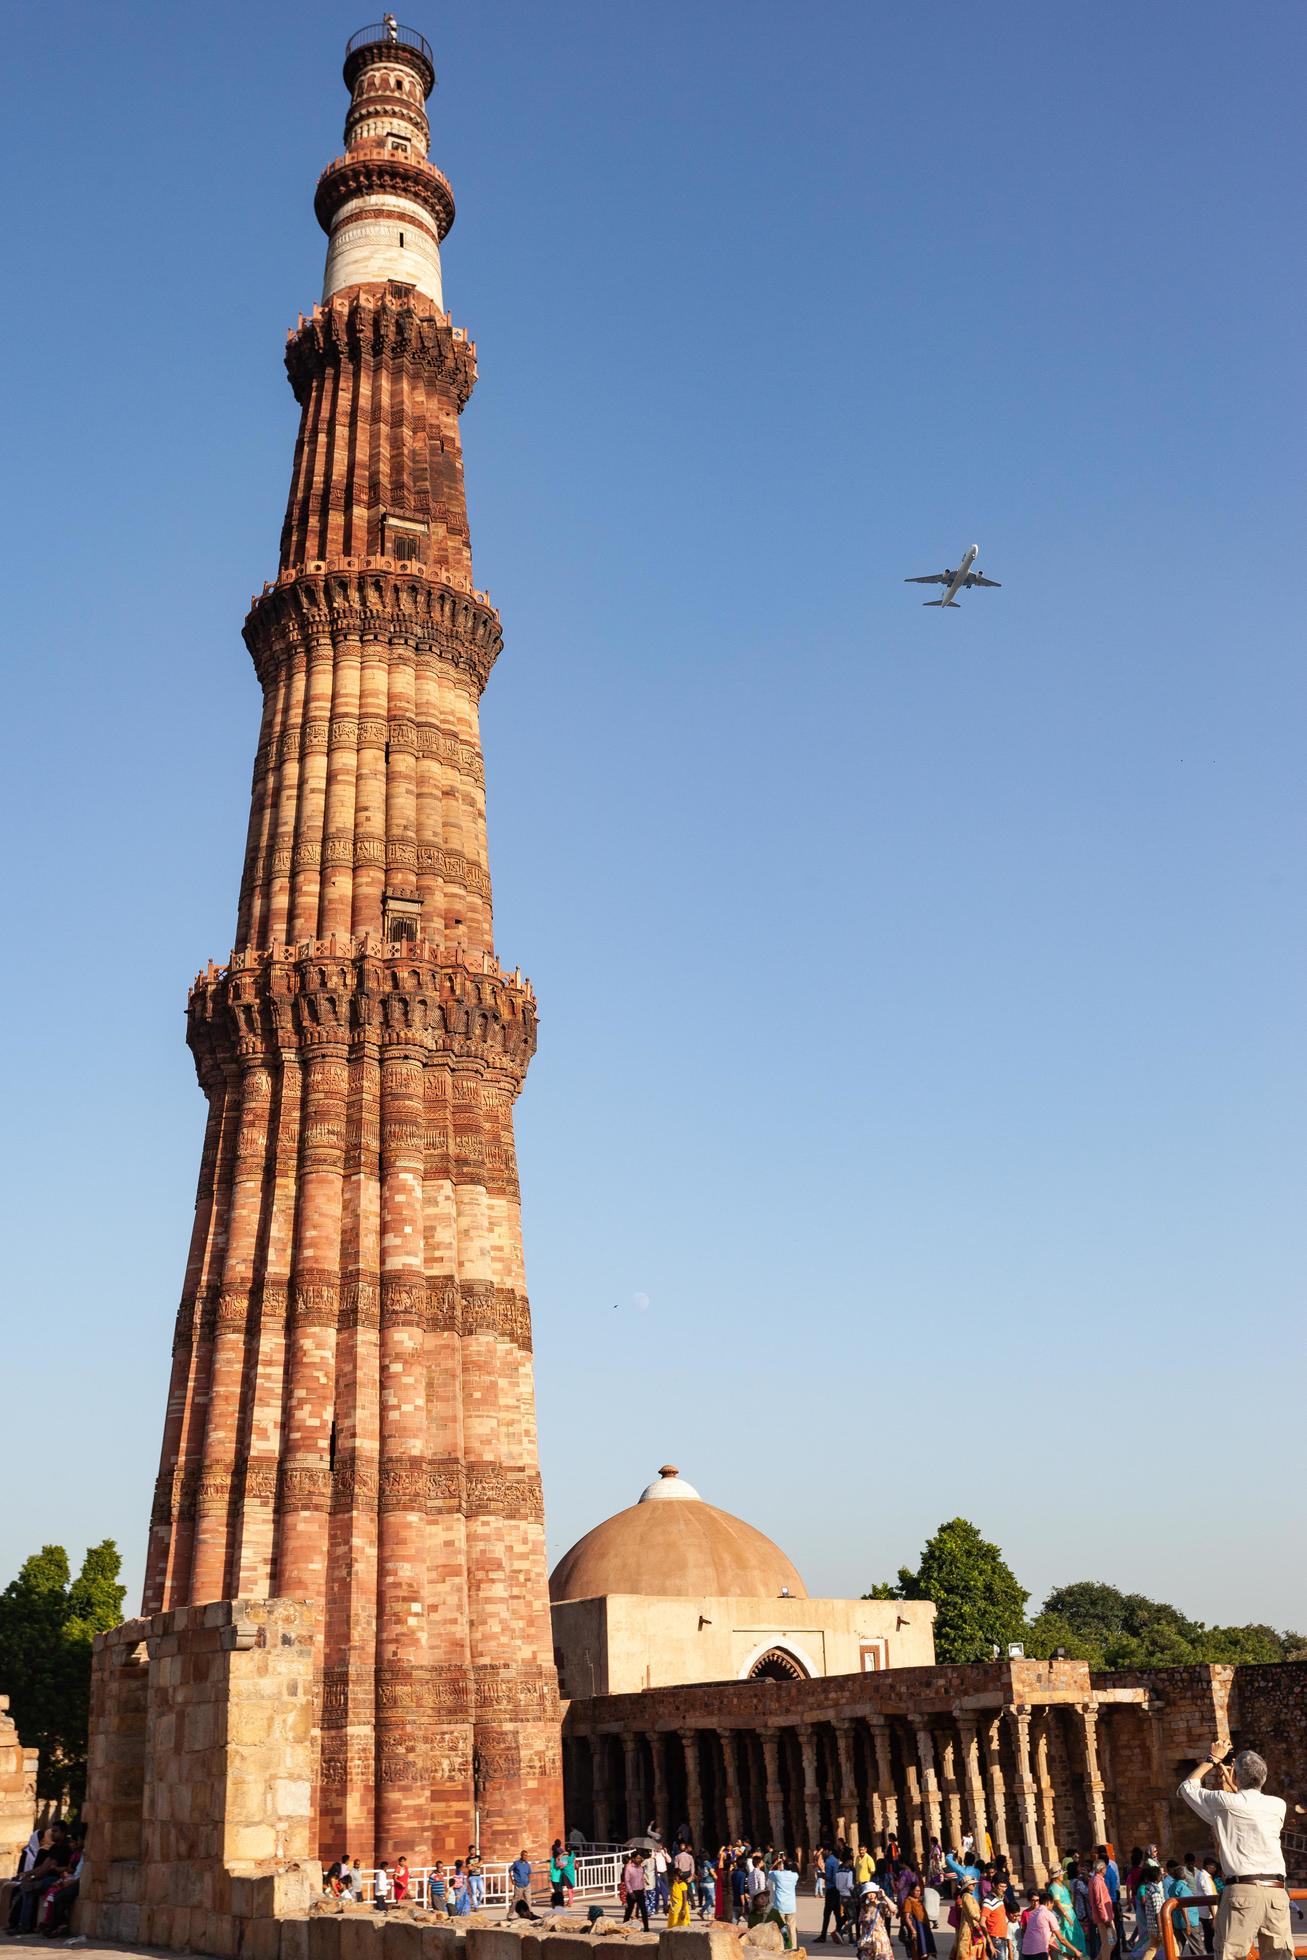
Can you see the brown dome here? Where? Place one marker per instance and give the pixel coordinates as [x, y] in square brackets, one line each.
[671, 1544]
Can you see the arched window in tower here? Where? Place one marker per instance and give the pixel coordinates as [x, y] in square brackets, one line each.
[778, 1664]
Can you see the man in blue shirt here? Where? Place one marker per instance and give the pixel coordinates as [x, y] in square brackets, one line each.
[785, 1898]
[830, 1904]
[519, 1873]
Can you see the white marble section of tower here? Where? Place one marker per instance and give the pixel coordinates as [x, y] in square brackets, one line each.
[383, 205]
[371, 240]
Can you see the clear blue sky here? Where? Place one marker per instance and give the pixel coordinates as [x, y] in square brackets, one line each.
[922, 1000]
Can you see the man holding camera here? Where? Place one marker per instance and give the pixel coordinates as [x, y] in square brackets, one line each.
[1254, 1908]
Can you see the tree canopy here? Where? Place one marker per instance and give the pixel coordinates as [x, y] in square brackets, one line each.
[48, 1620]
[1112, 1629]
[978, 1600]
[981, 1606]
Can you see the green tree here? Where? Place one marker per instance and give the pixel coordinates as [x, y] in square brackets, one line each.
[1115, 1630]
[979, 1602]
[1048, 1632]
[883, 1590]
[47, 1624]
[1244, 1645]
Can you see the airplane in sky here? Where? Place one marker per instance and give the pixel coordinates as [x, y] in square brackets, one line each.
[955, 581]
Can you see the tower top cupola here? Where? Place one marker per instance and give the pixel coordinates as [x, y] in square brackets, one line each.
[383, 205]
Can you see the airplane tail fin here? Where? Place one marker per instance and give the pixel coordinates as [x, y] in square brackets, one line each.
[942, 602]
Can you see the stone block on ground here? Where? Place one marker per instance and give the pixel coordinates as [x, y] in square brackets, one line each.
[567, 1946]
[361, 1935]
[402, 1935]
[262, 1939]
[294, 1939]
[497, 1942]
[766, 1938]
[324, 1935]
[437, 1941]
[700, 1943]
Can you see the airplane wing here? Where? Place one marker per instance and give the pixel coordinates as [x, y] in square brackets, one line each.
[974, 578]
[931, 578]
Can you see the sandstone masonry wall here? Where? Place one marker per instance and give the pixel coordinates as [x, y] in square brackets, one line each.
[203, 1760]
[17, 1791]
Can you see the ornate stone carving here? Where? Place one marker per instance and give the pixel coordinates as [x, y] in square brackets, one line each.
[313, 1300]
[360, 1304]
[454, 627]
[403, 1485]
[403, 1300]
[302, 1487]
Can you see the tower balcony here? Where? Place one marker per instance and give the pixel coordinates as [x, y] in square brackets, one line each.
[373, 169]
[382, 39]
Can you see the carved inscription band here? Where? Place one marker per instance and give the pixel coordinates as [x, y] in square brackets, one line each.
[426, 1486]
[440, 1304]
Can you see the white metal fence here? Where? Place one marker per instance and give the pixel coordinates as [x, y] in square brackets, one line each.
[598, 1871]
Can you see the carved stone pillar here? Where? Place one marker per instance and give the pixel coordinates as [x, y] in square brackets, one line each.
[1161, 1783]
[771, 1756]
[660, 1817]
[885, 1802]
[693, 1789]
[730, 1784]
[1044, 1784]
[811, 1787]
[929, 1783]
[635, 1823]
[848, 1781]
[1025, 1789]
[916, 1829]
[997, 1789]
[971, 1777]
[948, 1756]
[1107, 1767]
[1093, 1774]
[600, 1823]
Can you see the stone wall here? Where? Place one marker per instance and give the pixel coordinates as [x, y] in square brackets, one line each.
[1270, 1716]
[202, 1768]
[1044, 1756]
[1187, 1709]
[17, 1791]
[1008, 1747]
[622, 1643]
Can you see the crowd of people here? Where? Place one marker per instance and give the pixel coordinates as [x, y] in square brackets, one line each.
[1090, 1908]
[454, 1889]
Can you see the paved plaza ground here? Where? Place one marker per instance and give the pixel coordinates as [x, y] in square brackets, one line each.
[809, 1926]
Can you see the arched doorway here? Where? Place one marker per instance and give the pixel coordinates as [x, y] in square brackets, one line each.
[777, 1664]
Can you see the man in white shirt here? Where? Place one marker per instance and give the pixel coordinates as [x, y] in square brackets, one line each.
[757, 1880]
[1246, 1823]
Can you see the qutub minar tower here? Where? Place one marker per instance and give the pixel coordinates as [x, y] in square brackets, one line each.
[351, 1413]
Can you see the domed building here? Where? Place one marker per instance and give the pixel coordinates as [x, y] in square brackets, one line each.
[672, 1590]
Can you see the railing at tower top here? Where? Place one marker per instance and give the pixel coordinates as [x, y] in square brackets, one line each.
[404, 37]
[1174, 1948]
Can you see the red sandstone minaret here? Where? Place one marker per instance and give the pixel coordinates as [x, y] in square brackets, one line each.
[351, 1415]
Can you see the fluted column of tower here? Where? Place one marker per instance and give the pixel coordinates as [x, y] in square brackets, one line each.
[351, 1414]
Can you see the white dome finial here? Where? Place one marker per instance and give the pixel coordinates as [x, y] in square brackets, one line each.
[670, 1484]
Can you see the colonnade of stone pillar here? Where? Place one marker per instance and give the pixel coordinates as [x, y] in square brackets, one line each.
[1026, 1781]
